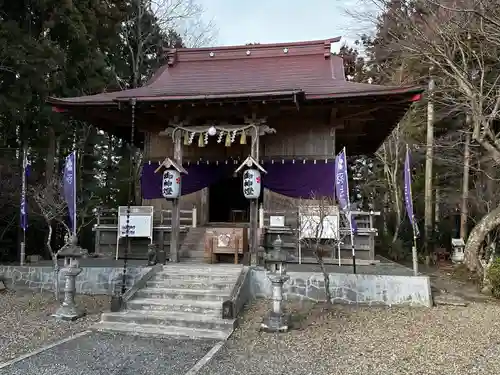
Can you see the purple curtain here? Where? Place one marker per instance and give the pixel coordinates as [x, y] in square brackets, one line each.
[296, 180]
[199, 176]
[299, 179]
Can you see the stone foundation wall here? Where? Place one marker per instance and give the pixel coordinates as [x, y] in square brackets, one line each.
[349, 288]
[345, 288]
[92, 280]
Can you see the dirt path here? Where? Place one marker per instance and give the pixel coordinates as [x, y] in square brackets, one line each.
[454, 284]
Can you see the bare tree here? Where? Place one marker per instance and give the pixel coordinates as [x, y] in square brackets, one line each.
[464, 206]
[319, 224]
[155, 21]
[390, 155]
[460, 40]
[53, 209]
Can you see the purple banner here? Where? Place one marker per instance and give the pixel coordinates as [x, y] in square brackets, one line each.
[407, 190]
[341, 181]
[293, 179]
[69, 188]
[354, 226]
[300, 179]
[342, 188]
[199, 176]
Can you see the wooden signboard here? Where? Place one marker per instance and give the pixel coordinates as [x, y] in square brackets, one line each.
[140, 223]
[220, 241]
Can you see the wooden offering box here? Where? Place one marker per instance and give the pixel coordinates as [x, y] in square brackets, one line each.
[225, 241]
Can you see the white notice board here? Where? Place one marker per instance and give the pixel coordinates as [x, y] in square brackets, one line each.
[140, 223]
[310, 223]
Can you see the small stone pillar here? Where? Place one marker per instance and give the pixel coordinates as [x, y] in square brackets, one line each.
[152, 254]
[277, 320]
[71, 253]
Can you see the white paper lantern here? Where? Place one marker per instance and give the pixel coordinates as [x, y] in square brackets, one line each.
[171, 184]
[251, 183]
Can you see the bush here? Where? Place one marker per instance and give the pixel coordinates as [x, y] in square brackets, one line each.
[493, 275]
[393, 250]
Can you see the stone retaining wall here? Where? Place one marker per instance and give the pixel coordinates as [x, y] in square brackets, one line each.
[92, 280]
[365, 289]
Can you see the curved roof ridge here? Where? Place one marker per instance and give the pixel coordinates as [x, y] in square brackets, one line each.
[249, 51]
[261, 45]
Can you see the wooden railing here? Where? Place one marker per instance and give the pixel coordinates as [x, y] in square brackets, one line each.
[108, 218]
[364, 220]
[364, 239]
[106, 229]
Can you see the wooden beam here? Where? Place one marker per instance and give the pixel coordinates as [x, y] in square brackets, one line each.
[254, 203]
[176, 222]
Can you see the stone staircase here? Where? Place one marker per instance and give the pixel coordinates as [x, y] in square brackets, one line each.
[193, 246]
[179, 300]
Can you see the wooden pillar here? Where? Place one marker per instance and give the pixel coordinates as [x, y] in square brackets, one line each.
[372, 237]
[254, 206]
[176, 209]
[333, 133]
[204, 213]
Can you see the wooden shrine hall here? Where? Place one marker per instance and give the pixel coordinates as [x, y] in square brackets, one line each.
[288, 106]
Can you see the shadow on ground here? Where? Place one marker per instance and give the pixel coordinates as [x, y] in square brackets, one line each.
[103, 354]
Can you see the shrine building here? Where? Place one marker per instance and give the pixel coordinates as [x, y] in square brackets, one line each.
[287, 105]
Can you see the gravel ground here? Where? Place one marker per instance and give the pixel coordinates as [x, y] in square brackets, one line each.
[26, 323]
[366, 340]
[107, 354]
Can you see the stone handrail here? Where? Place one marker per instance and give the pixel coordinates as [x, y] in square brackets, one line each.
[238, 297]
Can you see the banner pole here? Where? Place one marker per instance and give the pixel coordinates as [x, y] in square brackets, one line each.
[409, 209]
[74, 193]
[349, 217]
[23, 215]
[353, 248]
[414, 250]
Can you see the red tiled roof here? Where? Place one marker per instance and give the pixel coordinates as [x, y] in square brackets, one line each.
[253, 70]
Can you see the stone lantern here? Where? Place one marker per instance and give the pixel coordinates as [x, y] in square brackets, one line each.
[71, 253]
[277, 320]
[458, 246]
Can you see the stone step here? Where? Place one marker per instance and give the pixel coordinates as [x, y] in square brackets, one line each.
[172, 293]
[193, 245]
[193, 249]
[190, 284]
[212, 268]
[164, 318]
[194, 253]
[213, 308]
[449, 299]
[191, 260]
[161, 331]
[198, 276]
[190, 248]
[200, 269]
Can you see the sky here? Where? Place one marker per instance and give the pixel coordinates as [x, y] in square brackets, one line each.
[273, 21]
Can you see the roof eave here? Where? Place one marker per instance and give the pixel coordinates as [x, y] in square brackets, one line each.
[286, 94]
[69, 103]
[374, 93]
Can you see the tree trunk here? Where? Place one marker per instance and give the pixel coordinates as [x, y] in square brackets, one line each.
[318, 252]
[428, 212]
[51, 156]
[54, 261]
[464, 209]
[476, 238]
